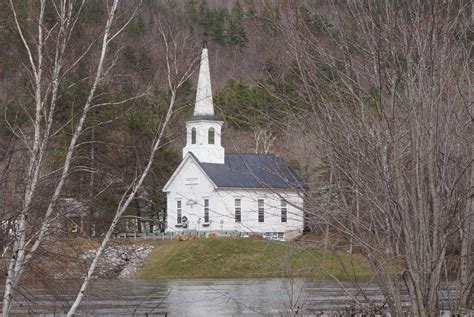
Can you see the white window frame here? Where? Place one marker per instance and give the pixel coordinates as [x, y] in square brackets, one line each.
[284, 211]
[193, 135]
[261, 210]
[238, 210]
[211, 132]
[206, 210]
[179, 211]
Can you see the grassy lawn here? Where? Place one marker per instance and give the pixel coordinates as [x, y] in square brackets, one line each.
[231, 257]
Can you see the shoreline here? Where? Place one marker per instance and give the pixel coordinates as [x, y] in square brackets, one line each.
[205, 258]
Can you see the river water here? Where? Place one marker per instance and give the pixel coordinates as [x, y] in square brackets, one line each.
[197, 297]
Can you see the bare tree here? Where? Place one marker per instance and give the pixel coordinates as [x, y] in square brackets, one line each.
[49, 62]
[387, 88]
[180, 61]
[264, 140]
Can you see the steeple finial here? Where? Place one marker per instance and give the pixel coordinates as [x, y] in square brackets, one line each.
[204, 41]
[204, 105]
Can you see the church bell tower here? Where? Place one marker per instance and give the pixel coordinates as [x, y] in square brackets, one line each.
[203, 137]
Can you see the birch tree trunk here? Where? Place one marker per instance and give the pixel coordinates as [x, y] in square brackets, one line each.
[24, 247]
[174, 65]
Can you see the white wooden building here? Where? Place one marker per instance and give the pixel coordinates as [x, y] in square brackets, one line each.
[214, 191]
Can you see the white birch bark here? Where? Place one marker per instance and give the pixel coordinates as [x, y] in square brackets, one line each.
[23, 249]
[33, 166]
[129, 195]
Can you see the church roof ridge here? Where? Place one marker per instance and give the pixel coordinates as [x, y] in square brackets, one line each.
[252, 170]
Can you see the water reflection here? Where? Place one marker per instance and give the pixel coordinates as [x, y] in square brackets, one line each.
[198, 297]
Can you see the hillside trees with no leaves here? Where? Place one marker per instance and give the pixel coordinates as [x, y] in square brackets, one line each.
[389, 107]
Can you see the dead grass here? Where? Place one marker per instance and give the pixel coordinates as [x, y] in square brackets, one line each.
[234, 258]
[58, 262]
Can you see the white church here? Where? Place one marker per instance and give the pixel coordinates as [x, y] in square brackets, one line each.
[212, 191]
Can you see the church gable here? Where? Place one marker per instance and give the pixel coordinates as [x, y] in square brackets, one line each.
[189, 175]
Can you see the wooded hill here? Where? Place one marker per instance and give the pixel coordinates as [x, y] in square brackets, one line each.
[243, 49]
[370, 101]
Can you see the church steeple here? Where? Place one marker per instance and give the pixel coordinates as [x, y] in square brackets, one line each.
[204, 130]
[204, 105]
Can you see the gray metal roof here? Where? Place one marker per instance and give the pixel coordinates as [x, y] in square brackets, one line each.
[253, 171]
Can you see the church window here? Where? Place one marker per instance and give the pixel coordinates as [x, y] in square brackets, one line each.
[206, 210]
[178, 211]
[211, 135]
[193, 136]
[238, 210]
[261, 211]
[284, 211]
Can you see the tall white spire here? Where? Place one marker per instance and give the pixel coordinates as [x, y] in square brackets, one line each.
[204, 105]
[204, 130]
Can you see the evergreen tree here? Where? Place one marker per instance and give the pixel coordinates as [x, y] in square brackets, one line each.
[192, 9]
[217, 25]
[237, 33]
[317, 24]
[204, 15]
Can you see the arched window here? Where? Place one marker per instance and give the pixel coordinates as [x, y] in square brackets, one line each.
[193, 136]
[211, 136]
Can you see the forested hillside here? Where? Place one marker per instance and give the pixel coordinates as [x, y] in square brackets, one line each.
[243, 44]
[371, 102]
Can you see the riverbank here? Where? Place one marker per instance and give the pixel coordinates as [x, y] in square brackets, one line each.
[199, 258]
[247, 258]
